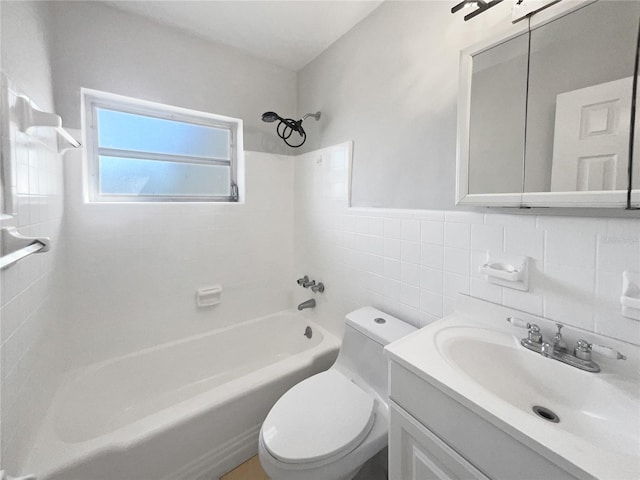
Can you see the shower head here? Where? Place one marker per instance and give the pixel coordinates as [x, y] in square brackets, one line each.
[270, 117]
[286, 126]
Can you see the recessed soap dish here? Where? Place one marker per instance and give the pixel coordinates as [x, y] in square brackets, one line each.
[507, 270]
[208, 296]
[630, 298]
[501, 270]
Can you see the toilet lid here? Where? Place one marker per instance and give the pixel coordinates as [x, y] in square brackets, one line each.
[320, 417]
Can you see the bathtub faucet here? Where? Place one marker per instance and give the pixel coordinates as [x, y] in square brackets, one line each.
[308, 304]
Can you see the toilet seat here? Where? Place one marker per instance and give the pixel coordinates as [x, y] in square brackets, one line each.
[324, 416]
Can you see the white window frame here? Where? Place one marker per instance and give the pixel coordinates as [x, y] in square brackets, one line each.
[94, 99]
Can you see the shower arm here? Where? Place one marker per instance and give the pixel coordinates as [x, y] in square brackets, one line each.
[314, 115]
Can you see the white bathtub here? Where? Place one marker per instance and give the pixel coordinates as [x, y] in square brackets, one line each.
[184, 410]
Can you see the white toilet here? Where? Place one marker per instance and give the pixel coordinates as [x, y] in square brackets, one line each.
[327, 426]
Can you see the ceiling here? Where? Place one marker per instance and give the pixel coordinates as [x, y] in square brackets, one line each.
[287, 33]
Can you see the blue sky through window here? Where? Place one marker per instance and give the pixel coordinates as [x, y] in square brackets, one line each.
[127, 131]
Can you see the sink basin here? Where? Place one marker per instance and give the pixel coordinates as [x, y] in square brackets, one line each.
[592, 406]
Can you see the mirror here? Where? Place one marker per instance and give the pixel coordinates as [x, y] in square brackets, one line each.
[499, 80]
[579, 106]
[546, 111]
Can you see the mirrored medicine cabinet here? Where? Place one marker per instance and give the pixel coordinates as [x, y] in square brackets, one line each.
[544, 115]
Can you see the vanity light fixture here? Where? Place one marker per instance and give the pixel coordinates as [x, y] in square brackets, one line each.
[481, 4]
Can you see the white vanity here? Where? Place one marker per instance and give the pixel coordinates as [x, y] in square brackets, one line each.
[462, 393]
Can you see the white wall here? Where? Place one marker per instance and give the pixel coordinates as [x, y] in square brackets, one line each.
[413, 263]
[27, 315]
[132, 270]
[390, 84]
[99, 47]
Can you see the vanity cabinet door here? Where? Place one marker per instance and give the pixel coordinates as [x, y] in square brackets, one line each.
[415, 453]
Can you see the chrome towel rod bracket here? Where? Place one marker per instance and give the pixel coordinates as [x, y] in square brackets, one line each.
[15, 247]
[31, 117]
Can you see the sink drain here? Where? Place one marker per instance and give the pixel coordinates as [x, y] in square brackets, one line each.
[546, 414]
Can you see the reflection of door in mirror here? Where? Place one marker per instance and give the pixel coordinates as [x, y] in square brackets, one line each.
[497, 117]
[579, 93]
[591, 138]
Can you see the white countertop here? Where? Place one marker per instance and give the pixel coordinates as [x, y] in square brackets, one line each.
[569, 450]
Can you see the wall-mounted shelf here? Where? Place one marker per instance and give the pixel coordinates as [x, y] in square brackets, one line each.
[31, 117]
[15, 247]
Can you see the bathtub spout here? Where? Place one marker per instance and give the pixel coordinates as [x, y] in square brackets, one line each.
[308, 304]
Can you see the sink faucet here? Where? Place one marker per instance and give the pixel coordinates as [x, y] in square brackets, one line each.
[557, 349]
[308, 304]
[559, 345]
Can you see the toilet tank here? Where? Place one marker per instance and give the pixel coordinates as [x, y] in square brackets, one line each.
[367, 331]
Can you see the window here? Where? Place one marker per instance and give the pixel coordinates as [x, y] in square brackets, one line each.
[144, 152]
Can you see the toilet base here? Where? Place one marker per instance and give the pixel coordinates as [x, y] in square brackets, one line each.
[376, 468]
[352, 462]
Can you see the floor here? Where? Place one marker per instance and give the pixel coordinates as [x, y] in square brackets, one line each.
[374, 469]
[249, 470]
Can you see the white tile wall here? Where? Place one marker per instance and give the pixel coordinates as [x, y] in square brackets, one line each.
[132, 270]
[27, 315]
[413, 263]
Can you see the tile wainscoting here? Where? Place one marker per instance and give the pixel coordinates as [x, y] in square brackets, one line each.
[413, 263]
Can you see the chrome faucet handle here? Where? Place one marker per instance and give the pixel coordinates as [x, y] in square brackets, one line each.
[318, 288]
[308, 283]
[534, 333]
[606, 351]
[302, 280]
[583, 350]
[534, 330]
[518, 322]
